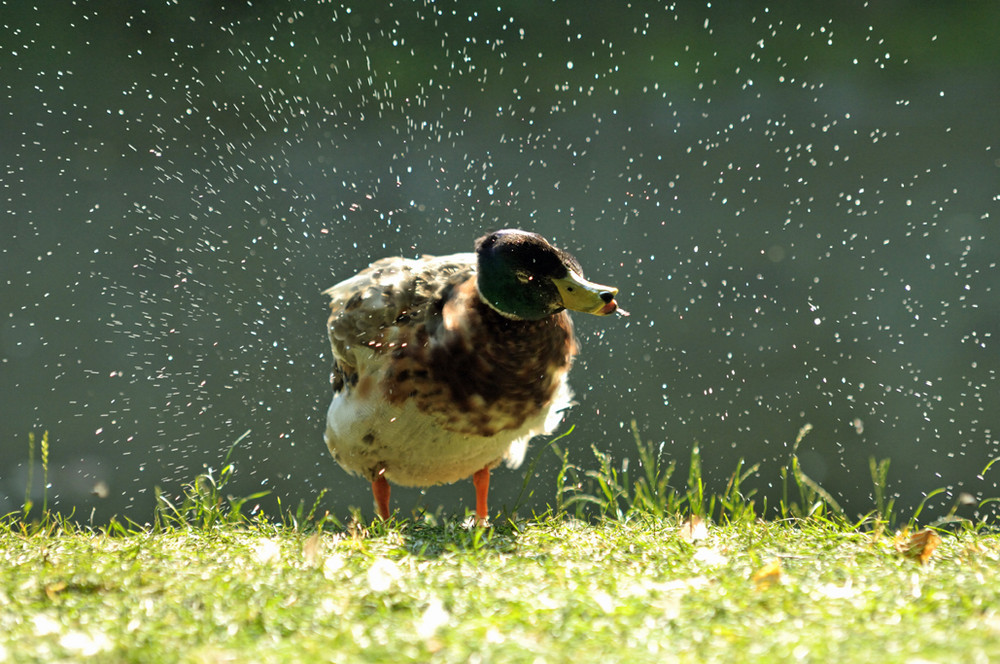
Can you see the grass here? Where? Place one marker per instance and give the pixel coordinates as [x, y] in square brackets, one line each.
[655, 574]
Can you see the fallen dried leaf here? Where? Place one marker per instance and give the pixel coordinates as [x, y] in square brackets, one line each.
[53, 589]
[767, 575]
[312, 548]
[921, 545]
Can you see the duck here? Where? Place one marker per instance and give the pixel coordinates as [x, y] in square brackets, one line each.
[444, 367]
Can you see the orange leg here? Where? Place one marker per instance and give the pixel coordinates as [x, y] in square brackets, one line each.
[381, 490]
[481, 480]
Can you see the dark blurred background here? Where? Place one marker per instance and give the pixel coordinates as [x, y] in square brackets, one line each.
[799, 202]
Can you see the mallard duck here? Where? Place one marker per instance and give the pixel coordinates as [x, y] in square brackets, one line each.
[444, 366]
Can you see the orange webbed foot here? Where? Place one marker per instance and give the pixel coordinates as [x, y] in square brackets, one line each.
[381, 491]
[481, 480]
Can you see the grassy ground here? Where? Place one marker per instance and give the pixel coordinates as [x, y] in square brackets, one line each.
[205, 583]
[556, 589]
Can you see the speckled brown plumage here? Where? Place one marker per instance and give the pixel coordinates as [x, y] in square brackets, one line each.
[431, 382]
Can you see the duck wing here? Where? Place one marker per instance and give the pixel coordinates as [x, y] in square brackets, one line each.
[369, 311]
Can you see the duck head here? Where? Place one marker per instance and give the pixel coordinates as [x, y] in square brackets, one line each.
[522, 276]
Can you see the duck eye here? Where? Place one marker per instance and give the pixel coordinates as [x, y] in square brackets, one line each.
[524, 277]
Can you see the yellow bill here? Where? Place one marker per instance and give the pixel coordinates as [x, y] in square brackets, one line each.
[579, 294]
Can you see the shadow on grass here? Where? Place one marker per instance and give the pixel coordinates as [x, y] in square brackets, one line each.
[431, 536]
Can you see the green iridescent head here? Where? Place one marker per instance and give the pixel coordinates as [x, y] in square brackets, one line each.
[522, 276]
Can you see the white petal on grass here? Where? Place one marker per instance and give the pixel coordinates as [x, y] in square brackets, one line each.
[693, 530]
[605, 601]
[668, 595]
[709, 556]
[833, 591]
[267, 551]
[85, 644]
[435, 617]
[332, 565]
[670, 605]
[990, 620]
[383, 574]
[45, 624]
[680, 585]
